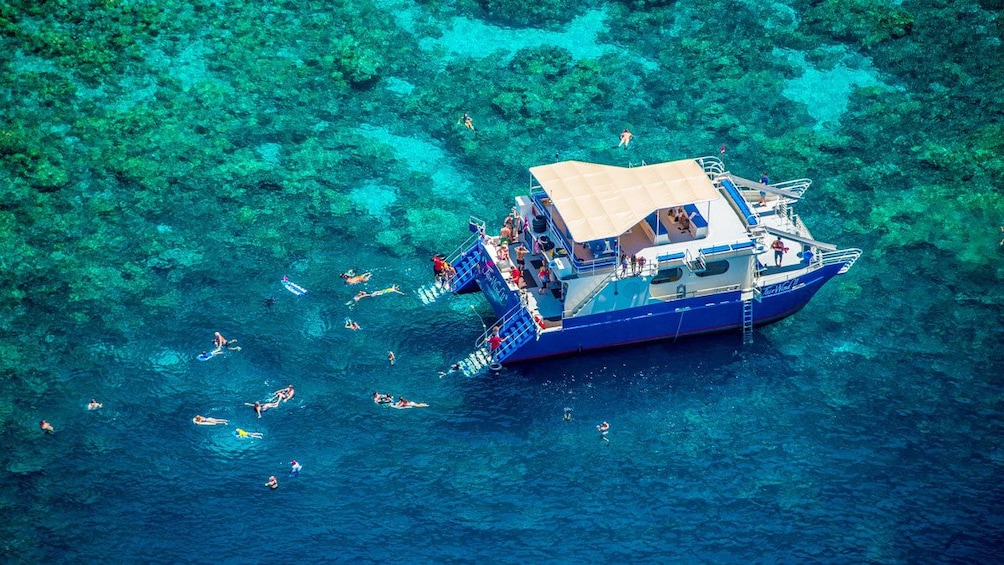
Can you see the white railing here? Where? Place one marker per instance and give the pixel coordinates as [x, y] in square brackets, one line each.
[846, 256]
[569, 312]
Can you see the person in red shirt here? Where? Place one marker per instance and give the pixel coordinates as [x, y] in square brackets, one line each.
[494, 343]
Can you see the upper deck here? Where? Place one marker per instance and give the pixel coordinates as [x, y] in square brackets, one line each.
[598, 212]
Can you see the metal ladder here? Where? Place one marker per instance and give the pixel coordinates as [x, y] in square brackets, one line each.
[748, 317]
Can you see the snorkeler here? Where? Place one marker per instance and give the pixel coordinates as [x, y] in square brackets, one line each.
[568, 414]
[283, 394]
[243, 434]
[468, 122]
[388, 290]
[453, 369]
[220, 342]
[204, 421]
[352, 278]
[403, 402]
[603, 428]
[626, 137]
[259, 407]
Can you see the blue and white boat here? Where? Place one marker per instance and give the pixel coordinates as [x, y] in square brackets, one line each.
[638, 254]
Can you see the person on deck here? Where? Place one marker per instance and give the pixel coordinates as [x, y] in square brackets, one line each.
[521, 252]
[779, 250]
[545, 278]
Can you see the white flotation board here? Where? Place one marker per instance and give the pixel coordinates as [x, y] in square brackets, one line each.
[293, 287]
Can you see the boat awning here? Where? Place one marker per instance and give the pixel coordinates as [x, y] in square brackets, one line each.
[601, 201]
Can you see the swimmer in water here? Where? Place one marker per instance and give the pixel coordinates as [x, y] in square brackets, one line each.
[269, 302]
[388, 290]
[625, 139]
[391, 358]
[568, 414]
[468, 122]
[259, 407]
[272, 483]
[94, 405]
[244, 434]
[283, 394]
[381, 398]
[204, 421]
[362, 294]
[220, 342]
[403, 402]
[46, 427]
[350, 325]
[295, 469]
[453, 369]
[603, 428]
[352, 278]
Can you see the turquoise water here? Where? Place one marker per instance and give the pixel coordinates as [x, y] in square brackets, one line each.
[164, 165]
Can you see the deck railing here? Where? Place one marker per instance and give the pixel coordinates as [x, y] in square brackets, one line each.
[846, 256]
[569, 312]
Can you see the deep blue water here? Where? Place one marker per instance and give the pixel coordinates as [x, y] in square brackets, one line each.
[865, 428]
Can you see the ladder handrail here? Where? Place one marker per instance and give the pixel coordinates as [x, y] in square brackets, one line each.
[513, 339]
[592, 294]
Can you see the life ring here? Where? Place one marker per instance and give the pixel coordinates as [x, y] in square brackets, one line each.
[495, 367]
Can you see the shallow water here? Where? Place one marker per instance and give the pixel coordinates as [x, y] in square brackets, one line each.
[234, 147]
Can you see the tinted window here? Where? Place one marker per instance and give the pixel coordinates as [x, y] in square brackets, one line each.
[668, 275]
[714, 268]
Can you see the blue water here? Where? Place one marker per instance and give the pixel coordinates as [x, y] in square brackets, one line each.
[243, 142]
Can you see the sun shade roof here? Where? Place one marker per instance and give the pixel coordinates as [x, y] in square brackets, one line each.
[601, 201]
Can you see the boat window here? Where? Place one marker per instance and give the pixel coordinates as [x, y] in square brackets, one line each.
[714, 268]
[668, 275]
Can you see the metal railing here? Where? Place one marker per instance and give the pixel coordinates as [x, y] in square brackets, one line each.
[846, 256]
[569, 312]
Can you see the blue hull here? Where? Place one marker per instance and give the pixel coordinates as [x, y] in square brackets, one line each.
[664, 320]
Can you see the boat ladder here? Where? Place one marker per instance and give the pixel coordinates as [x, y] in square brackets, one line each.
[518, 328]
[465, 262]
[748, 297]
[428, 293]
[695, 264]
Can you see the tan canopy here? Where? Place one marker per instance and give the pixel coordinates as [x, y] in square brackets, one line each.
[601, 201]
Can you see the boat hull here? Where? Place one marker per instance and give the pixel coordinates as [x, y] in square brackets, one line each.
[663, 320]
